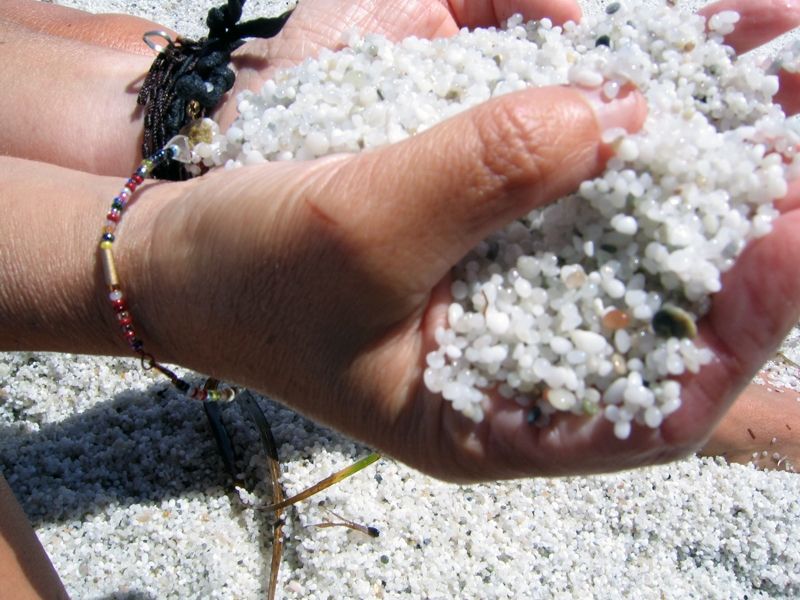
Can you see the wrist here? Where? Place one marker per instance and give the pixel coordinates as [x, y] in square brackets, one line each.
[51, 292]
[98, 127]
[138, 268]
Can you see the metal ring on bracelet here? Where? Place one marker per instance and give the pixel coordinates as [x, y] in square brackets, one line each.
[156, 33]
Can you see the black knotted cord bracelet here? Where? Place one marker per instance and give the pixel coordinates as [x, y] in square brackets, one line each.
[189, 77]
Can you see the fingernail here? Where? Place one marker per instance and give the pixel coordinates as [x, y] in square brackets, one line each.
[625, 111]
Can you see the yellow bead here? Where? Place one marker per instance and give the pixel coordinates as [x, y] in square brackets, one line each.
[106, 245]
[109, 268]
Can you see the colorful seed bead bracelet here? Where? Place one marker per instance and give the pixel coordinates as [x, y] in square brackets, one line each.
[177, 149]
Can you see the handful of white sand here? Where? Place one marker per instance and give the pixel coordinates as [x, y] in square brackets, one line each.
[590, 304]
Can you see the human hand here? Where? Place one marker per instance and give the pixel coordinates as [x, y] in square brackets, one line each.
[321, 283]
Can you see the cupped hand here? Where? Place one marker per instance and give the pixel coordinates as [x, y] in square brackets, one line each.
[321, 283]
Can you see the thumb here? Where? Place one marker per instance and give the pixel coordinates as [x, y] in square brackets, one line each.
[444, 190]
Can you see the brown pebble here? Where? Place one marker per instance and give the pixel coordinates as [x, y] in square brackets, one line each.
[615, 319]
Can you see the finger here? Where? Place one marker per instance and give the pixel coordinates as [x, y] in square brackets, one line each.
[506, 446]
[788, 95]
[485, 14]
[758, 305]
[444, 190]
[113, 31]
[325, 23]
[791, 201]
[759, 23]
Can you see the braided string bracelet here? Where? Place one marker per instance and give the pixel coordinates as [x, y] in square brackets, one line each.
[189, 77]
[177, 149]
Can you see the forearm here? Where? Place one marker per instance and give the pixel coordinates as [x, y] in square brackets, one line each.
[25, 570]
[51, 286]
[69, 103]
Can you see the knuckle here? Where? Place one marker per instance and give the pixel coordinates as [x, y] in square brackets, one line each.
[513, 142]
[527, 143]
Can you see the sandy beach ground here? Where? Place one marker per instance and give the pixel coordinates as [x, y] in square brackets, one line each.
[130, 498]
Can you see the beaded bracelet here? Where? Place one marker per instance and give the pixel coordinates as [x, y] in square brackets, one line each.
[178, 149]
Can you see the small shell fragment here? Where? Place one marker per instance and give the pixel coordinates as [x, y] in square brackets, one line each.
[672, 321]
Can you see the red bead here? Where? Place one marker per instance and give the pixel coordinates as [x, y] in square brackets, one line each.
[130, 335]
[123, 321]
[114, 215]
[137, 179]
[119, 305]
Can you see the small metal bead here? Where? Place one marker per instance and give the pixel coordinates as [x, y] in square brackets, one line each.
[108, 237]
